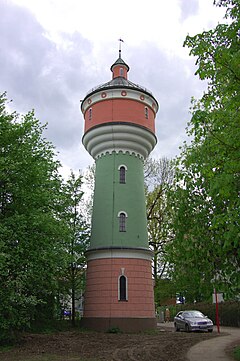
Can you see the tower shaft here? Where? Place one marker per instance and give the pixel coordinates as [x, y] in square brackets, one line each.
[119, 187]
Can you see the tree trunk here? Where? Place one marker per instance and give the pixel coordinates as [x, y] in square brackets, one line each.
[73, 299]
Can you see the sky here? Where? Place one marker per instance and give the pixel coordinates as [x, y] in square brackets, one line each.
[52, 52]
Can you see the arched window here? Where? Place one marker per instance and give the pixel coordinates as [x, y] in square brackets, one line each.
[121, 71]
[146, 112]
[90, 114]
[122, 175]
[122, 216]
[122, 288]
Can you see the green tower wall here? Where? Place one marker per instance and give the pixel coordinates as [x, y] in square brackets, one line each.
[111, 197]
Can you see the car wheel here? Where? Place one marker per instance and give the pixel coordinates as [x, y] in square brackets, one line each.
[187, 328]
[176, 328]
[211, 330]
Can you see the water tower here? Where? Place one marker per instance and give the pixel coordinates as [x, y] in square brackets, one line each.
[119, 134]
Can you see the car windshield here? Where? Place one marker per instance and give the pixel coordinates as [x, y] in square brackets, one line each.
[193, 314]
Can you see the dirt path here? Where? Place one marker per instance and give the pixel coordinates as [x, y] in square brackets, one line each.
[164, 345]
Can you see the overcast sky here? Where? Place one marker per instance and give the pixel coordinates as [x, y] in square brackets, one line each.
[52, 52]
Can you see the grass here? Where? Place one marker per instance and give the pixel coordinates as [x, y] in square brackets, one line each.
[6, 348]
[236, 353]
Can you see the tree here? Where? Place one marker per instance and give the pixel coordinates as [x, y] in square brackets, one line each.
[206, 199]
[88, 180]
[158, 177]
[77, 240]
[31, 231]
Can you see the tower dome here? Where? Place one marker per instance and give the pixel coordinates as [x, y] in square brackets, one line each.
[123, 103]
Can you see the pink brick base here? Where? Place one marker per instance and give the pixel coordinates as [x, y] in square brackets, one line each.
[101, 295]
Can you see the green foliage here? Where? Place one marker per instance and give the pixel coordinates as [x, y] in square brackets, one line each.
[205, 202]
[164, 291]
[158, 176]
[78, 229]
[72, 281]
[31, 231]
[114, 330]
[229, 314]
[236, 353]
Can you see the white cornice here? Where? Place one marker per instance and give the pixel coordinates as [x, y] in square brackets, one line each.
[117, 138]
[119, 253]
[131, 94]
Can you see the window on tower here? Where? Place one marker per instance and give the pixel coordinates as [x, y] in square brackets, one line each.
[146, 112]
[121, 71]
[90, 114]
[122, 288]
[122, 174]
[122, 216]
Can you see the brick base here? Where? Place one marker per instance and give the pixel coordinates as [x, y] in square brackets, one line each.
[101, 299]
[124, 324]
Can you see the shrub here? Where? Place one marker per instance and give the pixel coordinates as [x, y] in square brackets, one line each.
[114, 330]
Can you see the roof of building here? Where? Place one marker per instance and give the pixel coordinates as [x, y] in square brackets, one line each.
[120, 61]
[119, 82]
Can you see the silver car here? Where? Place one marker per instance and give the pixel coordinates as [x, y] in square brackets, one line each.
[192, 321]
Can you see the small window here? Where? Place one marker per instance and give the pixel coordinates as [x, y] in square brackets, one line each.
[121, 71]
[146, 112]
[90, 114]
[122, 288]
[122, 175]
[122, 221]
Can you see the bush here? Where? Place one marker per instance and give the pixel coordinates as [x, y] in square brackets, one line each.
[114, 330]
[236, 353]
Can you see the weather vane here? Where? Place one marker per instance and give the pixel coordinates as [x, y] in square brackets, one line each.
[120, 41]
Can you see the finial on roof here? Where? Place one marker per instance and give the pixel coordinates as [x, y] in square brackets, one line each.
[120, 41]
[119, 61]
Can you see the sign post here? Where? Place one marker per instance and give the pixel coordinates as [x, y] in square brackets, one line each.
[217, 315]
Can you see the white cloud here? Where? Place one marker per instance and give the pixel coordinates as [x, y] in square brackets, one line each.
[54, 51]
